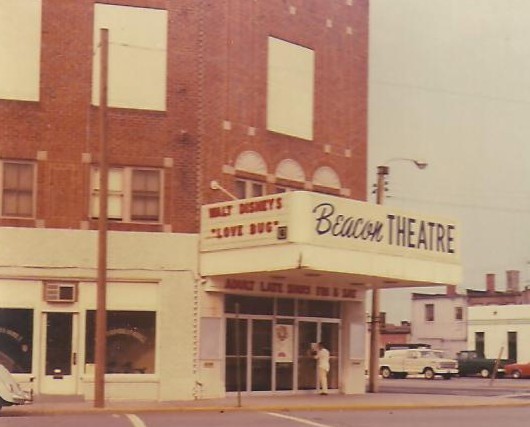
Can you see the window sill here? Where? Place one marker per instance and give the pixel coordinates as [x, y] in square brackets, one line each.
[124, 378]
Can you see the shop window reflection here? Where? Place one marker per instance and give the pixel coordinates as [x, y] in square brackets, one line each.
[315, 308]
[130, 341]
[249, 305]
[16, 339]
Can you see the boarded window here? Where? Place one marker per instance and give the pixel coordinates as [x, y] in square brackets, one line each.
[290, 89]
[20, 40]
[137, 56]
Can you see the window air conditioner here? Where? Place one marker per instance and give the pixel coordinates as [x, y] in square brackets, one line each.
[60, 292]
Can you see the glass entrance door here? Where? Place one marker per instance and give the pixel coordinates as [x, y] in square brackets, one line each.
[307, 373]
[250, 365]
[60, 354]
[329, 335]
[309, 333]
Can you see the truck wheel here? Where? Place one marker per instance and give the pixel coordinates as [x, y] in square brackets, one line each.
[386, 372]
[484, 373]
[516, 374]
[429, 374]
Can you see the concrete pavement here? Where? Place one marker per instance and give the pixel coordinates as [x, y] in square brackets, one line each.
[378, 401]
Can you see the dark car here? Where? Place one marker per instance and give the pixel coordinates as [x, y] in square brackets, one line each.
[517, 370]
[470, 363]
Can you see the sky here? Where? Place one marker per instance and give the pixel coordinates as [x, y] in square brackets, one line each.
[450, 85]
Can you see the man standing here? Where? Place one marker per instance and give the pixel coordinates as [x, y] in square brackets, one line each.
[322, 357]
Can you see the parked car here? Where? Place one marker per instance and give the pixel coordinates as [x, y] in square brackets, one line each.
[426, 362]
[10, 391]
[472, 363]
[517, 370]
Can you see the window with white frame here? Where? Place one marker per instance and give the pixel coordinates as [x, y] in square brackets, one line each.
[290, 89]
[134, 194]
[20, 42]
[245, 188]
[18, 189]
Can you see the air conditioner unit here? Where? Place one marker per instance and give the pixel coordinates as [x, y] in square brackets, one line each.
[60, 292]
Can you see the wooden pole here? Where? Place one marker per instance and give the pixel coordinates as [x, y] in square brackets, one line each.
[496, 366]
[101, 308]
[238, 358]
[373, 371]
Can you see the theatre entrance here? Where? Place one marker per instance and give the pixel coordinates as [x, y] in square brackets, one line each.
[269, 343]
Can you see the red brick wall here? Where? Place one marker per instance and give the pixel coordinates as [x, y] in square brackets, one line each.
[217, 63]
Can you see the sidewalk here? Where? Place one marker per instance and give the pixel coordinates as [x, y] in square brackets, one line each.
[379, 401]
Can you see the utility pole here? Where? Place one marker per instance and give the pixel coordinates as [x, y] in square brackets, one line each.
[101, 308]
[373, 371]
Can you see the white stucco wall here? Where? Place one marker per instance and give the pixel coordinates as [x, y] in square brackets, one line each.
[444, 332]
[496, 321]
[146, 271]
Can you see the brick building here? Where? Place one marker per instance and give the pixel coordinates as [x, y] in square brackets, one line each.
[208, 101]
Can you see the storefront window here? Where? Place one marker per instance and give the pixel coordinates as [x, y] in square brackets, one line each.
[249, 305]
[285, 307]
[315, 308]
[236, 354]
[130, 341]
[16, 339]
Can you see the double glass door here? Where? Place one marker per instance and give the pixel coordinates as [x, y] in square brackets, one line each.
[254, 364]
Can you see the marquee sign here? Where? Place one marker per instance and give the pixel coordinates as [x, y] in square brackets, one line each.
[285, 289]
[334, 222]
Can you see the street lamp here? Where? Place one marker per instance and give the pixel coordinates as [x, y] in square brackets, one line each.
[373, 371]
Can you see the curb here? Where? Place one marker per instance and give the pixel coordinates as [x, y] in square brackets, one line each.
[264, 408]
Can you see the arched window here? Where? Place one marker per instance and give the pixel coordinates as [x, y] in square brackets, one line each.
[248, 165]
[290, 176]
[325, 176]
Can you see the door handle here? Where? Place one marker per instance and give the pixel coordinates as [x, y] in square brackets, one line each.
[74, 358]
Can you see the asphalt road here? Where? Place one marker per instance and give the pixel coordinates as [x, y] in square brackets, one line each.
[471, 417]
[512, 416]
[458, 386]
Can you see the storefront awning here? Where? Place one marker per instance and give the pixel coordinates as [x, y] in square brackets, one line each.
[301, 235]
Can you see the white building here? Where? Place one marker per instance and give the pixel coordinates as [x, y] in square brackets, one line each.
[440, 320]
[266, 278]
[500, 329]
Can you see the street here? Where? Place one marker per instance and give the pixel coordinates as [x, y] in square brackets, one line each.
[458, 386]
[395, 418]
[502, 401]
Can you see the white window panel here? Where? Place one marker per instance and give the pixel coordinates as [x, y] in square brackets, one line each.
[20, 43]
[290, 89]
[137, 56]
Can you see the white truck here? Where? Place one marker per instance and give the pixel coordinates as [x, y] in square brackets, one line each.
[418, 361]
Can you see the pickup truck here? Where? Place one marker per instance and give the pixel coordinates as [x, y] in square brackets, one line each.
[471, 363]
